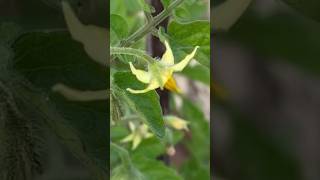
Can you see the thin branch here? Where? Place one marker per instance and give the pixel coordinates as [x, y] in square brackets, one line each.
[150, 25]
[141, 55]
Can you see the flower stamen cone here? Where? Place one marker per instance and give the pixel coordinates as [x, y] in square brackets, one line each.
[171, 85]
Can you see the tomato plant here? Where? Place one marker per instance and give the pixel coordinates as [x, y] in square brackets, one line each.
[157, 132]
[55, 91]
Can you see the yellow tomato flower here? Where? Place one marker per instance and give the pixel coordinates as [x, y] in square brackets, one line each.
[160, 73]
[176, 123]
[137, 135]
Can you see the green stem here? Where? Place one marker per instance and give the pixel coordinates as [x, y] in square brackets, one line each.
[150, 25]
[141, 55]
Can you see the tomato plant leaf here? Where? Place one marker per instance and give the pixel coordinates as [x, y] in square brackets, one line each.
[198, 73]
[146, 7]
[146, 105]
[184, 37]
[49, 58]
[118, 28]
[153, 169]
[191, 10]
[153, 147]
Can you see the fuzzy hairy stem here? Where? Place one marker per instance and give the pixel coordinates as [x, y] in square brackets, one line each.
[133, 52]
[150, 25]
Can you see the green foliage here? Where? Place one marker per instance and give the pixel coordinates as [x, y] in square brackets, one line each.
[198, 73]
[146, 7]
[282, 35]
[285, 36]
[154, 147]
[118, 29]
[49, 58]
[145, 108]
[153, 169]
[128, 10]
[184, 37]
[191, 10]
[198, 166]
[140, 103]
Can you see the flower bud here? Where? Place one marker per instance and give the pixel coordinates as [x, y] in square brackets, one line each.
[176, 123]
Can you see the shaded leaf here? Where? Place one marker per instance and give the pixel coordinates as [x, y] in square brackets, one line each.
[48, 58]
[283, 36]
[310, 8]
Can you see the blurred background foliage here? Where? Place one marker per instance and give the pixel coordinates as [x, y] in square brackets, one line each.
[267, 126]
[74, 139]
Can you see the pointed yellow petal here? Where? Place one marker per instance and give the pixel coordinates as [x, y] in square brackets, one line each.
[136, 141]
[144, 131]
[167, 57]
[141, 75]
[132, 127]
[171, 85]
[182, 64]
[148, 135]
[127, 138]
[153, 85]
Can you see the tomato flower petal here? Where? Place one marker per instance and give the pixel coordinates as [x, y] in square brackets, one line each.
[182, 64]
[167, 58]
[141, 75]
